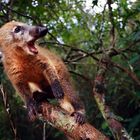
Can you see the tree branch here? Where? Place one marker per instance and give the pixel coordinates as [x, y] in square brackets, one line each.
[61, 120]
[128, 72]
[99, 91]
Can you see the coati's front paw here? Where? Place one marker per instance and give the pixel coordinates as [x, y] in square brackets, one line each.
[57, 90]
[32, 110]
[79, 117]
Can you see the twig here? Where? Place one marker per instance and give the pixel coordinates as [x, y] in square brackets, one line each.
[80, 75]
[112, 31]
[102, 27]
[9, 12]
[7, 111]
[44, 130]
[129, 73]
[21, 14]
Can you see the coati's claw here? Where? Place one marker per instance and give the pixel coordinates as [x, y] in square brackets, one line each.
[79, 118]
[32, 110]
[57, 90]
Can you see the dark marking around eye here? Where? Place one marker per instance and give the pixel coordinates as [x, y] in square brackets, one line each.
[18, 29]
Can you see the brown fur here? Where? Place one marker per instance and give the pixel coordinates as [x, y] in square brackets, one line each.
[31, 73]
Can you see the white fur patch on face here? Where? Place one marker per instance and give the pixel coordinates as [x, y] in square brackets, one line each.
[27, 37]
[21, 33]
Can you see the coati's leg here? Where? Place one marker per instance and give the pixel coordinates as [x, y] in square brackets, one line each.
[72, 101]
[25, 92]
[53, 80]
[64, 92]
[79, 112]
[74, 107]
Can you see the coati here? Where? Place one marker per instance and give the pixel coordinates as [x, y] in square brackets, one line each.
[36, 77]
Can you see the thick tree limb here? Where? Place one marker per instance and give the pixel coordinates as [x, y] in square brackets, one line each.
[99, 91]
[61, 120]
[64, 122]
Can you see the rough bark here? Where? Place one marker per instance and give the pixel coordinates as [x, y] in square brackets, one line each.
[59, 119]
[99, 92]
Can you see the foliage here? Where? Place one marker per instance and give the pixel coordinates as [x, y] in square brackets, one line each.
[81, 37]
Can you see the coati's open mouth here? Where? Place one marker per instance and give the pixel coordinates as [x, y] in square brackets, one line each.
[36, 33]
[31, 47]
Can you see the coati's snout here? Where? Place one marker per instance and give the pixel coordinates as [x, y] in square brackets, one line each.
[35, 32]
[22, 36]
[42, 31]
[38, 31]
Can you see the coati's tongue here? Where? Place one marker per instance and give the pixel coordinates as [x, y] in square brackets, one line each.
[33, 49]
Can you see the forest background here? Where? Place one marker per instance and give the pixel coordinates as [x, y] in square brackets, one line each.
[93, 38]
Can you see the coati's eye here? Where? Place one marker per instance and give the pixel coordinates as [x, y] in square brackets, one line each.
[18, 29]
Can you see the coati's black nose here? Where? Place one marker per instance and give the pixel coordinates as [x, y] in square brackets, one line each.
[41, 31]
[38, 31]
